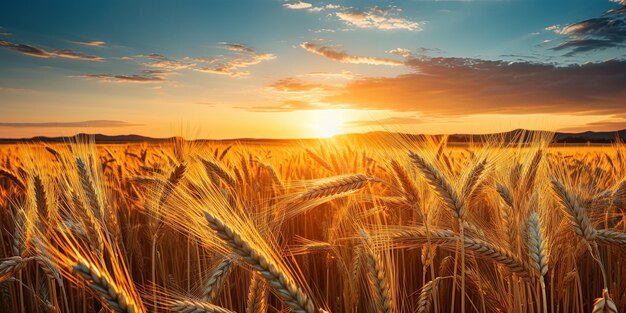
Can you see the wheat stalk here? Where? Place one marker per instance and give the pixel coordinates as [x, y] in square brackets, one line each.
[287, 289]
[454, 203]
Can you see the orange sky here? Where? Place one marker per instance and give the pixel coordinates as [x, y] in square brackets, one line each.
[293, 69]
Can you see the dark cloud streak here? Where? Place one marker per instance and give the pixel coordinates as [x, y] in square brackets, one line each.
[459, 86]
[91, 124]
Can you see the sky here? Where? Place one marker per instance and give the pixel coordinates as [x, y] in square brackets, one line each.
[297, 69]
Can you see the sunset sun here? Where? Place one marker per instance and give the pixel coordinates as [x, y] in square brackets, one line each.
[326, 124]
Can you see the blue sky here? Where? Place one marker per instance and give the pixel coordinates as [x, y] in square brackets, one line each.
[299, 68]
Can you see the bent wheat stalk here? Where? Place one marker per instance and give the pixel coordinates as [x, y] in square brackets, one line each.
[450, 197]
[338, 185]
[287, 289]
[217, 279]
[104, 287]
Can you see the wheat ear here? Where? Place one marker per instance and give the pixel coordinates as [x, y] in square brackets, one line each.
[577, 214]
[440, 185]
[287, 289]
[12, 177]
[378, 279]
[12, 265]
[538, 254]
[212, 167]
[257, 295]
[481, 247]
[189, 306]
[217, 279]
[319, 160]
[114, 297]
[611, 237]
[337, 185]
[423, 301]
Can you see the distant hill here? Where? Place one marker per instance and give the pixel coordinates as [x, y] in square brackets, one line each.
[514, 135]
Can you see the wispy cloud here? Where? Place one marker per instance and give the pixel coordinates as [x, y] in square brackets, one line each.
[146, 77]
[163, 62]
[603, 125]
[405, 53]
[90, 43]
[288, 106]
[297, 85]
[231, 65]
[41, 53]
[90, 124]
[378, 18]
[386, 121]
[298, 5]
[459, 86]
[344, 57]
[71, 54]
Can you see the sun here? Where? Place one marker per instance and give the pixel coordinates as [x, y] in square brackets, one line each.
[326, 123]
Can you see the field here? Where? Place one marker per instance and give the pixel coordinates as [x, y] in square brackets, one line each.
[338, 226]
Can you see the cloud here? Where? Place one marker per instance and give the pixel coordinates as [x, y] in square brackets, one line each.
[90, 43]
[245, 56]
[298, 5]
[92, 124]
[296, 85]
[603, 126]
[40, 53]
[607, 31]
[25, 49]
[379, 18]
[343, 57]
[386, 121]
[71, 54]
[288, 106]
[342, 74]
[163, 62]
[554, 28]
[146, 77]
[406, 53]
[460, 86]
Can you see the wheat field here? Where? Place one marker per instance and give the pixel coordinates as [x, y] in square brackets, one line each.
[313, 226]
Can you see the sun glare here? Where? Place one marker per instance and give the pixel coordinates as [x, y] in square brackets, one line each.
[325, 124]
